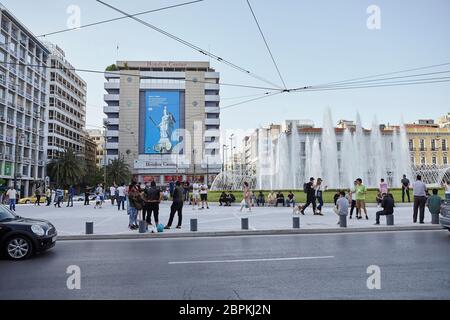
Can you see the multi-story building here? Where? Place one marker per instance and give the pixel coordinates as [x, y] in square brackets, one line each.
[90, 152]
[163, 119]
[99, 139]
[67, 106]
[444, 121]
[23, 104]
[428, 143]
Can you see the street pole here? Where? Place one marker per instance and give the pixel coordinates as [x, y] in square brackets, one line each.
[231, 150]
[207, 169]
[104, 156]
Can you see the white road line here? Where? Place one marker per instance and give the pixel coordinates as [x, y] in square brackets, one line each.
[250, 260]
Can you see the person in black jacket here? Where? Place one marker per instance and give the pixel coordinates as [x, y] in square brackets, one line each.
[177, 206]
[152, 197]
[310, 196]
[388, 207]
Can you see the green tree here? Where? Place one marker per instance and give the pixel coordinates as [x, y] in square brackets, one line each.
[94, 176]
[117, 171]
[68, 169]
[112, 67]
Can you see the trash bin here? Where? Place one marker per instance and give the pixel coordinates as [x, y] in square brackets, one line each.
[90, 227]
[296, 222]
[244, 223]
[193, 224]
[390, 219]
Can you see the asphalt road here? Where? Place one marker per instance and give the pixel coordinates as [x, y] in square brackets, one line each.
[413, 265]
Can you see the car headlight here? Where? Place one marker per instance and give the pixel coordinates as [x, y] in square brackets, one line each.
[38, 230]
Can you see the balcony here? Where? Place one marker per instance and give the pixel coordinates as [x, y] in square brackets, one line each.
[10, 120]
[9, 139]
[21, 75]
[12, 86]
[108, 109]
[113, 121]
[212, 133]
[112, 85]
[12, 69]
[112, 133]
[212, 98]
[212, 145]
[112, 145]
[212, 110]
[212, 86]
[111, 97]
[212, 122]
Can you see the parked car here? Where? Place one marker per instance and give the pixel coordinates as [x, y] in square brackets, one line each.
[21, 237]
[444, 218]
[27, 200]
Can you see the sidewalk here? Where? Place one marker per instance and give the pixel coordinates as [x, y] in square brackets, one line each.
[108, 221]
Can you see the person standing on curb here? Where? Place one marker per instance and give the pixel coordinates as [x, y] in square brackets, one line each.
[177, 206]
[420, 199]
[154, 197]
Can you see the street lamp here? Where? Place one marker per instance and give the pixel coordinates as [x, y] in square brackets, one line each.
[224, 156]
[231, 148]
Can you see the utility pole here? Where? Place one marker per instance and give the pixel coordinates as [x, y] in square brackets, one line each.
[104, 153]
[16, 156]
[231, 150]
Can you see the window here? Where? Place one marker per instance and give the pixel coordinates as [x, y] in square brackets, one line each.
[444, 145]
[433, 160]
[445, 160]
[422, 145]
[433, 145]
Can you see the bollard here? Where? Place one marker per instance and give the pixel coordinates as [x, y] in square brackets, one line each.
[193, 224]
[296, 222]
[244, 223]
[435, 219]
[90, 227]
[390, 219]
[142, 226]
[342, 221]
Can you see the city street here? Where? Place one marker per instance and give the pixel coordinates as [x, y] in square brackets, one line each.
[413, 264]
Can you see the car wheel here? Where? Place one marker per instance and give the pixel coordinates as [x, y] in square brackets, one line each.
[27, 202]
[18, 247]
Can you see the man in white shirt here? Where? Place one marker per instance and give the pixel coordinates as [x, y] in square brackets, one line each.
[195, 194]
[121, 196]
[420, 199]
[112, 192]
[204, 195]
[12, 194]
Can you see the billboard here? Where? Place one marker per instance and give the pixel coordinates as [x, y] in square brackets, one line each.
[162, 119]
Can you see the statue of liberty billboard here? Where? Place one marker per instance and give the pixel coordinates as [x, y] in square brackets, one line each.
[162, 120]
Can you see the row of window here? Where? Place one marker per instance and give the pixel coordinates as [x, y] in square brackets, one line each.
[70, 134]
[69, 73]
[434, 161]
[58, 78]
[435, 144]
[55, 89]
[69, 121]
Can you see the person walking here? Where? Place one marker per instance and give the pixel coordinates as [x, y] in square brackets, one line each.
[420, 199]
[405, 188]
[59, 195]
[37, 194]
[361, 192]
[388, 205]
[310, 196]
[112, 193]
[121, 196]
[204, 195]
[70, 194]
[86, 196]
[177, 206]
[12, 194]
[246, 197]
[318, 194]
[48, 196]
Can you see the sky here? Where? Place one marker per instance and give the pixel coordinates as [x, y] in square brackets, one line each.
[313, 42]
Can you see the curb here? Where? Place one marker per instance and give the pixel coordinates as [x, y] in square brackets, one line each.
[245, 233]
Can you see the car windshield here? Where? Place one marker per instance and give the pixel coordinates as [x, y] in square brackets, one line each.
[6, 214]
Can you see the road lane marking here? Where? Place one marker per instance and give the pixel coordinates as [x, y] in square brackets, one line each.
[250, 260]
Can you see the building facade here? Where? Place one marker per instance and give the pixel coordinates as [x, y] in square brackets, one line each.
[163, 119]
[67, 106]
[90, 152]
[23, 105]
[99, 138]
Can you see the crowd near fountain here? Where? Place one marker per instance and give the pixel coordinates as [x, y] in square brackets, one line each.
[338, 156]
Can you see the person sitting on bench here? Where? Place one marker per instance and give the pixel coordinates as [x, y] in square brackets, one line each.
[388, 207]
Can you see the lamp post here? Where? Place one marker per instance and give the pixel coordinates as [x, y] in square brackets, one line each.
[224, 156]
[105, 139]
[231, 150]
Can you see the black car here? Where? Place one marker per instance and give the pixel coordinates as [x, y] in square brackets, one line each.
[21, 237]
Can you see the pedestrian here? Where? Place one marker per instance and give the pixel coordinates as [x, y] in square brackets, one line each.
[308, 188]
[171, 187]
[37, 193]
[98, 201]
[361, 192]
[271, 199]
[186, 187]
[204, 195]
[387, 203]
[351, 197]
[100, 191]
[383, 188]
[59, 197]
[121, 197]
[420, 199]
[290, 199]
[405, 188]
[319, 195]
[195, 194]
[246, 194]
[86, 196]
[70, 194]
[260, 201]
[112, 192]
[447, 190]
[134, 205]
[341, 208]
[12, 194]
[434, 202]
[152, 198]
[48, 196]
[177, 206]
[280, 199]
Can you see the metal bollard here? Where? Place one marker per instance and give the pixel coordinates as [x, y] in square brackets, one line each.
[142, 226]
[90, 227]
[342, 221]
[435, 219]
[194, 225]
[390, 219]
[244, 223]
[296, 222]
